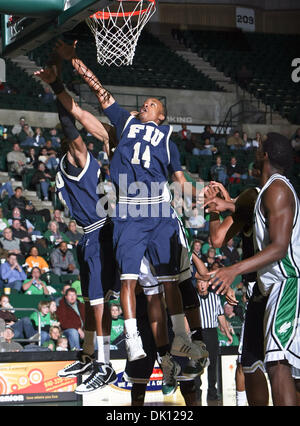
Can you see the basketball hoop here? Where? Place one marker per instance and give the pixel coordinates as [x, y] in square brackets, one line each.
[117, 29]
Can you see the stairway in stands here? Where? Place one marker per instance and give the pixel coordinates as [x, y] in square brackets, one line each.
[164, 33]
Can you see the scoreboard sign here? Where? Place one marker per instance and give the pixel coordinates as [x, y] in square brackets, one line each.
[245, 19]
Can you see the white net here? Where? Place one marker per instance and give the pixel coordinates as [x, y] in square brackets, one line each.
[117, 29]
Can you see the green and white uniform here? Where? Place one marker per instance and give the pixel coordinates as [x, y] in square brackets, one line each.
[281, 281]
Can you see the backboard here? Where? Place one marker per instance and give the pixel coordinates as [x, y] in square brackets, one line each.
[20, 33]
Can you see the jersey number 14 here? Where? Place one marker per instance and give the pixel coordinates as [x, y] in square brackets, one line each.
[145, 157]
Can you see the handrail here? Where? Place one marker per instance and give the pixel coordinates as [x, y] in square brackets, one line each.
[39, 323]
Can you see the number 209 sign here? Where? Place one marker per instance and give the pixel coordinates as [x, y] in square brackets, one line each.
[245, 19]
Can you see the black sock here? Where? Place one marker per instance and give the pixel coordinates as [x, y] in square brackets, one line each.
[197, 333]
[162, 350]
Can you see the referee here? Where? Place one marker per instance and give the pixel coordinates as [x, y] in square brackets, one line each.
[212, 314]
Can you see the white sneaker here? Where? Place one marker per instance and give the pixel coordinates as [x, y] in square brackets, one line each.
[134, 347]
[202, 347]
[183, 346]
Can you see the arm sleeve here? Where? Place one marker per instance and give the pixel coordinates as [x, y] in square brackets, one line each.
[67, 122]
[175, 164]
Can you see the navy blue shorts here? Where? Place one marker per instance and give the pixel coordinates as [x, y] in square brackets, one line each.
[99, 273]
[159, 237]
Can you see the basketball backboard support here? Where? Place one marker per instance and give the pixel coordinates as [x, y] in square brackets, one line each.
[27, 33]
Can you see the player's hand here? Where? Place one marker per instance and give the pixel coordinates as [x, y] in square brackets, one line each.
[48, 75]
[221, 279]
[230, 297]
[66, 51]
[215, 204]
[222, 190]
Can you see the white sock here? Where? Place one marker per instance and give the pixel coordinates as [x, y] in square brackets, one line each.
[178, 324]
[130, 326]
[241, 398]
[88, 344]
[101, 349]
[106, 343]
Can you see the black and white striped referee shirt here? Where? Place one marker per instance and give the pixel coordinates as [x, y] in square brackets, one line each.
[210, 309]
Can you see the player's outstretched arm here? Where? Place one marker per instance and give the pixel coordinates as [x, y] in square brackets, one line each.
[88, 121]
[68, 52]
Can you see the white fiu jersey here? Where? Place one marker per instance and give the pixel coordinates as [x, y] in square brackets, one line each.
[289, 266]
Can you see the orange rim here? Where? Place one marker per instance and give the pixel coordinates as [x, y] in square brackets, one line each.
[106, 15]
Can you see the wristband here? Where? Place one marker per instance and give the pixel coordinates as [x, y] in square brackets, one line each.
[214, 216]
[57, 87]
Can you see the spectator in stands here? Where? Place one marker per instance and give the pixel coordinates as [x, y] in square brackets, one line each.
[34, 260]
[43, 155]
[35, 285]
[16, 160]
[210, 258]
[185, 133]
[26, 207]
[207, 245]
[71, 315]
[38, 137]
[9, 243]
[53, 313]
[235, 171]
[55, 139]
[26, 225]
[63, 293]
[11, 346]
[235, 141]
[62, 344]
[44, 315]
[234, 320]
[117, 323]
[3, 221]
[195, 222]
[231, 253]
[72, 233]
[47, 97]
[31, 159]
[11, 273]
[53, 235]
[22, 327]
[208, 134]
[206, 149]
[218, 171]
[23, 236]
[25, 137]
[41, 181]
[53, 160]
[57, 216]
[91, 148]
[6, 188]
[62, 261]
[197, 245]
[18, 127]
[54, 335]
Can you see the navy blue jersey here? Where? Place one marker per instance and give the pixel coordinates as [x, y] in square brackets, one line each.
[140, 165]
[80, 192]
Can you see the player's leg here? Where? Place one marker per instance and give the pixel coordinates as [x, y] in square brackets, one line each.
[130, 240]
[188, 391]
[282, 383]
[157, 316]
[252, 353]
[241, 398]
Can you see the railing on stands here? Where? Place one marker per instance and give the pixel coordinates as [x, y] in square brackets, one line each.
[30, 340]
[245, 111]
